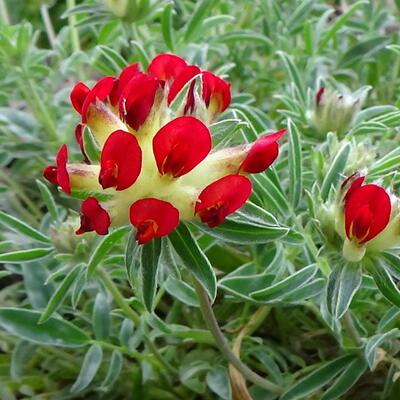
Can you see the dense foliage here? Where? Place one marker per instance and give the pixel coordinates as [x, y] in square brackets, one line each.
[293, 296]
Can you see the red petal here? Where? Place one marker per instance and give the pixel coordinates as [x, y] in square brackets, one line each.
[166, 66]
[221, 198]
[262, 153]
[180, 145]
[319, 95]
[50, 173]
[355, 181]
[93, 218]
[125, 76]
[78, 96]
[100, 91]
[79, 129]
[216, 89]
[62, 173]
[121, 161]
[367, 213]
[153, 218]
[137, 99]
[180, 81]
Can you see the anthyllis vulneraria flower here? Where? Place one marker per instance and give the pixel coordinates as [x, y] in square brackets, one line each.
[156, 166]
[368, 218]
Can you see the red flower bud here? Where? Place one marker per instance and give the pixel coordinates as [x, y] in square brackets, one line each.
[121, 161]
[137, 99]
[318, 96]
[216, 90]
[262, 153]
[153, 218]
[125, 76]
[100, 91]
[180, 145]
[93, 218]
[221, 198]
[166, 66]
[367, 212]
[58, 175]
[78, 96]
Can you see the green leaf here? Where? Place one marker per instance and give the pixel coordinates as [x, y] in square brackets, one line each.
[385, 283]
[182, 291]
[101, 317]
[386, 164]
[295, 164]
[243, 286]
[334, 172]
[92, 149]
[194, 259]
[105, 245]
[113, 372]
[148, 271]
[196, 20]
[90, 365]
[346, 380]
[22, 256]
[374, 342]
[362, 49]
[339, 23]
[343, 283]
[21, 355]
[286, 286]
[115, 60]
[60, 294]
[21, 227]
[218, 381]
[244, 36]
[48, 200]
[166, 27]
[317, 379]
[244, 233]
[54, 332]
[389, 317]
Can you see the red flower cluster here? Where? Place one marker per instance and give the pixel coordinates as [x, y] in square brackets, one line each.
[155, 162]
[367, 210]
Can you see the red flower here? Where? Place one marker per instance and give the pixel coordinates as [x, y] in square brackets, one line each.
[352, 183]
[78, 96]
[185, 75]
[166, 66]
[119, 85]
[153, 218]
[180, 145]
[262, 153]
[58, 175]
[100, 92]
[121, 161]
[137, 99]
[367, 211]
[93, 218]
[221, 198]
[216, 90]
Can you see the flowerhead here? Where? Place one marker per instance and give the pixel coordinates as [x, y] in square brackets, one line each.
[368, 218]
[156, 165]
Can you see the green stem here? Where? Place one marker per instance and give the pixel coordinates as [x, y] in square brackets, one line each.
[44, 12]
[223, 345]
[4, 12]
[134, 317]
[351, 328]
[21, 194]
[74, 32]
[28, 89]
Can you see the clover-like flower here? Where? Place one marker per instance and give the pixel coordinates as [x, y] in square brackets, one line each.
[156, 166]
[369, 218]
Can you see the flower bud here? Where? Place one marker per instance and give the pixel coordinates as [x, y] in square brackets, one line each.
[130, 10]
[334, 112]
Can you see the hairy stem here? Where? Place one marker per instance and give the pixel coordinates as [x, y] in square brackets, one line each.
[223, 345]
[351, 328]
[44, 12]
[4, 13]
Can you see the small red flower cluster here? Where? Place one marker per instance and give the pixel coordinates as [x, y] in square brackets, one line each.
[367, 210]
[155, 162]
